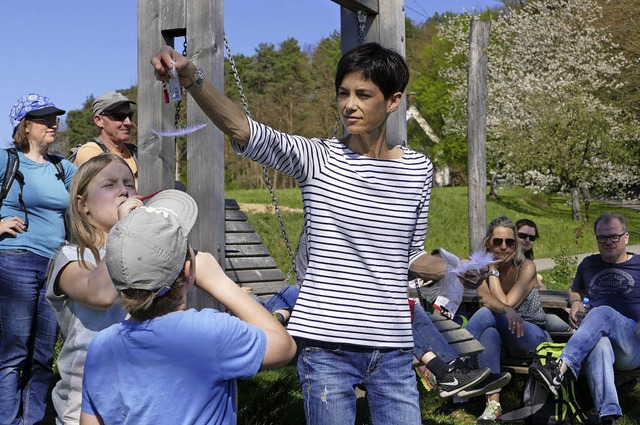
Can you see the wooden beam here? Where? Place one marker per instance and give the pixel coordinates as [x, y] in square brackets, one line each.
[477, 131]
[368, 6]
[385, 24]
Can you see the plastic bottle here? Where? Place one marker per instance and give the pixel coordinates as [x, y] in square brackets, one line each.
[583, 312]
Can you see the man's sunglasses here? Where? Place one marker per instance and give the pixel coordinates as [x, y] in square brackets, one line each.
[525, 236]
[499, 241]
[119, 116]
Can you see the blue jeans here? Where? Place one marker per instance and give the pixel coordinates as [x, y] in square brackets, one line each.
[604, 337]
[426, 337]
[492, 330]
[556, 324]
[28, 330]
[284, 299]
[330, 372]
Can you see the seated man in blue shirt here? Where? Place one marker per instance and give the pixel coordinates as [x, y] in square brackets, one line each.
[608, 333]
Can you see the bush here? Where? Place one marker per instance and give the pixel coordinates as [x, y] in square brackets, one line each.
[561, 276]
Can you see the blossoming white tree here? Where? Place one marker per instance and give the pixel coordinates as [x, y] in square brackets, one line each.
[548, 65]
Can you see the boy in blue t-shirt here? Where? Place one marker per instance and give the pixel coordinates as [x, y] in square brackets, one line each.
[168, 364]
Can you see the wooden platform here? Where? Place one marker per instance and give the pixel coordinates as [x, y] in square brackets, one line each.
[550, 299]
[458, 338]
[248, 262]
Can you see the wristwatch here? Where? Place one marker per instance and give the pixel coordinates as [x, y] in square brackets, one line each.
[494, 272]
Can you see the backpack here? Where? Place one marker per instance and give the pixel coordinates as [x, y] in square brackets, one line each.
[74, 151]
[12, 173]
[541, 407]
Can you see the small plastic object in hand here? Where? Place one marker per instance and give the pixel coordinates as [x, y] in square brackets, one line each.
[582, 312]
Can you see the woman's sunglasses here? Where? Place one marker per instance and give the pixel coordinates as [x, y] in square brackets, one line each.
[525, 236]
[499, 241]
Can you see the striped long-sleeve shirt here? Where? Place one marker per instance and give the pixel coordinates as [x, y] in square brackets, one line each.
[366, 221]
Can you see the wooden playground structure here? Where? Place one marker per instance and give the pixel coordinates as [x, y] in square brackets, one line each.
[222, 228]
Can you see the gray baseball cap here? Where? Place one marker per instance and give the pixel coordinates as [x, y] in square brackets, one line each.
[147, 248]
[109, 101]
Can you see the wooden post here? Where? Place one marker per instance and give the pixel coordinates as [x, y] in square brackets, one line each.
[160, 22]
[477, 131]
[385, 25]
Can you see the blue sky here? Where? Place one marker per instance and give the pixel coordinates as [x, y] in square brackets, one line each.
[70, 49]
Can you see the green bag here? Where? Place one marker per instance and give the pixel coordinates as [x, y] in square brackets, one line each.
[540, 405]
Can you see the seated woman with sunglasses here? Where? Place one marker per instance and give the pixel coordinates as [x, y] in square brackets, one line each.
[527, 232]
[511, 317]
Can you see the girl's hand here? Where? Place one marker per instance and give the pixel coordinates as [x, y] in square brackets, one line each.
[514, 321]
[12, 226]
[129, 205]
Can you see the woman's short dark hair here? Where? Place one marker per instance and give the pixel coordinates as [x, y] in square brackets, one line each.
[385, 67]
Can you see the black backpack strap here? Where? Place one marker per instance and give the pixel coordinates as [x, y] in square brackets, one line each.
[130, 146]
[98, 142]
[57, 162]
[13, 163]
[10, 174]
[133, 149]
[521, 414]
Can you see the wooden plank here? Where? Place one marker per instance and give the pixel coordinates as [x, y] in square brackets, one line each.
[369, 6]
[246, 251]
[265, 289]
[173, 19]
[231, 204]
[446, 325]
[385, 24]
[467, 348]
[205, 171]
[239, 227]
[250, 263]
[550, 299]
[244, 276]
[242, 239]
[234, 215]
[457, 335]
[155, 154]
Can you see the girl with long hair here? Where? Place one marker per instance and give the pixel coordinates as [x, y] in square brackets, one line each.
[79, 288]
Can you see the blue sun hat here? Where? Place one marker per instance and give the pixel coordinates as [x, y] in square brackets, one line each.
[32, 105]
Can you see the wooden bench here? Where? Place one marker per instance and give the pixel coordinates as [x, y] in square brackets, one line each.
[248, 262]
[552, 302]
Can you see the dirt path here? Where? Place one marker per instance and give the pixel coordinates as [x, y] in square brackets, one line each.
[266, 208]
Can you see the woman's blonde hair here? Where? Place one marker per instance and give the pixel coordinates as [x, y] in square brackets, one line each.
[504, 221]
[20, 137]
[82, 230]
[145, 305]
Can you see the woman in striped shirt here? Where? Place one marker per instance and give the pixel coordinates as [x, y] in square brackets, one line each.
[366, 203]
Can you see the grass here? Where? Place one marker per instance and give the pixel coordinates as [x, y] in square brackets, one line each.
[274, 397]
[448, 223]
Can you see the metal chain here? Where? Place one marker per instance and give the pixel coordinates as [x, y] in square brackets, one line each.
[265, 170]
[362, 20]
[176, 119]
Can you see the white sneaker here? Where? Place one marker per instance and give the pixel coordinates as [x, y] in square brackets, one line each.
[492, 411]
